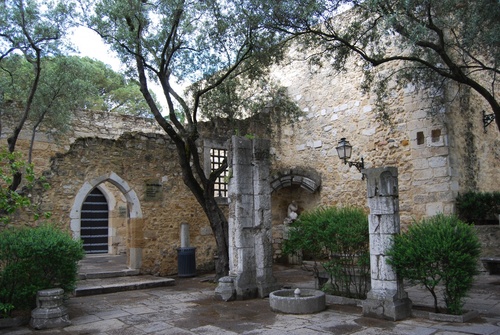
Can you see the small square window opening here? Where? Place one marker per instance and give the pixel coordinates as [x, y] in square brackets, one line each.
[217, 157]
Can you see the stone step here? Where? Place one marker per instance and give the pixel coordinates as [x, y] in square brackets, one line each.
[100, 285]
[108, 274]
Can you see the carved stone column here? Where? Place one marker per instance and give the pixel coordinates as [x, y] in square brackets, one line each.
[387, 298]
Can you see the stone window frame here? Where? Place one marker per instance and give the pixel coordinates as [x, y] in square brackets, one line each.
[208, 146]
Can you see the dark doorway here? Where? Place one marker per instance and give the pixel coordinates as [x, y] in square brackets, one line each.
[94, 223]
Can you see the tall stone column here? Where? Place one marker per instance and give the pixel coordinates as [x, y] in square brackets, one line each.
[387, 298]
[250, 249]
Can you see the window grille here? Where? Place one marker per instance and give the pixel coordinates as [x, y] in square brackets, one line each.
[217, 156]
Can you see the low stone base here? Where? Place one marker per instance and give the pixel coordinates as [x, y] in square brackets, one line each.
[467, 316]
[50, 312]
[225, 291]
[41, 320]
[388, 307]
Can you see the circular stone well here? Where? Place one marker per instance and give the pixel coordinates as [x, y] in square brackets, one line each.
[287, 301]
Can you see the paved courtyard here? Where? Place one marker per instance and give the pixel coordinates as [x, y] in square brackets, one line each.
[189, 308]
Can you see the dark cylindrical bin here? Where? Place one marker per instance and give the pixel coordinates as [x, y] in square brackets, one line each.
[186, 262]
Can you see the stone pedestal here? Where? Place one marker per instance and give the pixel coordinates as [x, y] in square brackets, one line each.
[225, 290]
[250, 240]
[387, 298]
[50, 312]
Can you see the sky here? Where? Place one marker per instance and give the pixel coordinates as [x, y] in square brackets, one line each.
[91, 45]
[88, 43]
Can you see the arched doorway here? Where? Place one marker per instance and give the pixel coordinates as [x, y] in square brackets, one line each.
[134, 218]
[94, 223]
[298, 186]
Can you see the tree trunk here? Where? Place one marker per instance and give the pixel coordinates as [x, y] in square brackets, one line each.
[219, 225]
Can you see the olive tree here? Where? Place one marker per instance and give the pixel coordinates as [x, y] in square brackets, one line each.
[32, 28]
[209, 44]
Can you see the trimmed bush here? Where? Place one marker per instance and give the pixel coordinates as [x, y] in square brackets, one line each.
[438, 250]
[338, 239]
[33, 259]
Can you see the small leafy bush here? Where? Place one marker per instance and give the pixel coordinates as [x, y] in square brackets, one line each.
[438, 250]
[33, 259]
[339, 239]
[477, 207]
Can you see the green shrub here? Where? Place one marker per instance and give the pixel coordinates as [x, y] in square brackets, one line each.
[477, 207]
[440, 249]
[33, 259]
[339, 239]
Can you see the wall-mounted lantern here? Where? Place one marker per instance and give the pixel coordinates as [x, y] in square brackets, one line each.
[344, 150]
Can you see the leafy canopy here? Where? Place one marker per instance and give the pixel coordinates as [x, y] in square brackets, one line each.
[68, 83]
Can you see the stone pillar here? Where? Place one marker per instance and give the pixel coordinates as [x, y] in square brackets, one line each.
[250, 240]
[184, 235]
[387, 298]
[50, 312]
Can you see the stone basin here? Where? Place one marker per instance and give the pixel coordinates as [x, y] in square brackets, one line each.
[307, 302]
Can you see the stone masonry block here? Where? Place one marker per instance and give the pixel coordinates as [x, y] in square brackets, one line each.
[383, 223]
[246, 260]
[440, 161]
[244, 238]
[383, 286]
[379, 244]
[383, 205]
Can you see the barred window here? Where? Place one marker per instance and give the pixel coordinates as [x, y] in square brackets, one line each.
[217, 156]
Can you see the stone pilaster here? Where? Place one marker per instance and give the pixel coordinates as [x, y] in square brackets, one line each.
[250, 224]
[387, 298]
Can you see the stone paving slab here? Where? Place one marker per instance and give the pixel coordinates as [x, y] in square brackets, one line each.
[189, 308]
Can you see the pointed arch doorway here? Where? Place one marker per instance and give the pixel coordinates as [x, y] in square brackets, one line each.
[134, 236]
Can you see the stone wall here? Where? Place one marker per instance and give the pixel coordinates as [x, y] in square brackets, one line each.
[427, 144]
[140, 160]
[84, 123]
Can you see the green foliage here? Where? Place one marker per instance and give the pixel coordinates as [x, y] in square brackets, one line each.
[68, 83]
[475, 207]
[11, 201]
[438, 250]
[5, 309]
[34, 27]
[339, 239]
[241, 97]
[33, 259]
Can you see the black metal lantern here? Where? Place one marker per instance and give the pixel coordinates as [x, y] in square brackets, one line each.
[344, 150]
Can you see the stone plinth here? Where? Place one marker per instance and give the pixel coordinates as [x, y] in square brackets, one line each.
[387, 298]
[50, 312]
[225, 290]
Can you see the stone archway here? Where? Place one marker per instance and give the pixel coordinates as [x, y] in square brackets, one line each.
[135, 236]
[297, 187]
[306, 178]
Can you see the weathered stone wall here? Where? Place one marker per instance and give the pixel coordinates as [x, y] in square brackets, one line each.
[84, 123]
[417, 139]
[138, 159]
[474, 150]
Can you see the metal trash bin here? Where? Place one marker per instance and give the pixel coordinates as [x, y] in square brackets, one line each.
[186, 261]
